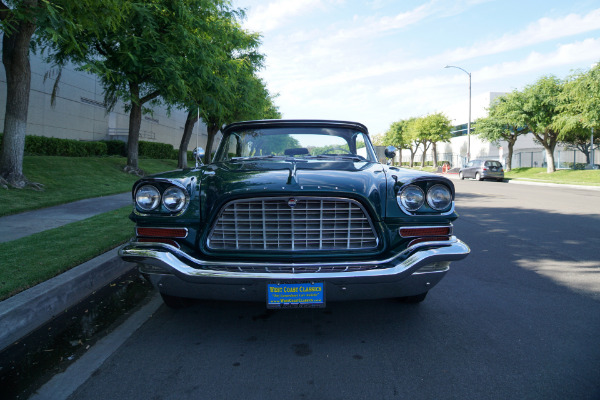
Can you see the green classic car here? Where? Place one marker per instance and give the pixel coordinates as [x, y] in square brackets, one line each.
[294, 213]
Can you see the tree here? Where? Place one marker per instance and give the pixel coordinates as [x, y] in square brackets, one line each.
[19, 20]
[579, 139]
[503, 122]
[397, 136]
[250, 100]
[145, 59]
[436, 128]
[541, 103]
[580, 109]
[215, 93]
[412, 138]
[581, 100]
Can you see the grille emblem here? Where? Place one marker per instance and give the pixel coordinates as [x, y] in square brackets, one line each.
[292, 202]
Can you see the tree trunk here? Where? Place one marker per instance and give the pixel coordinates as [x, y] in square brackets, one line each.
[211, 130]
[549, 142]
[188, 130]
[15, 57]
[135, 122]
[434, 149]
[550, 168]
[511, 147]
[425, 148]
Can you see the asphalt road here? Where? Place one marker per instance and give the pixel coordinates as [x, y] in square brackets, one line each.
[519, 318]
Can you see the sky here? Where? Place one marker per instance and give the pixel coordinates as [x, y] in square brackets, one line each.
[380, 61]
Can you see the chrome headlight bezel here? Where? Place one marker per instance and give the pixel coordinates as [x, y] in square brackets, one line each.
[408, 198]
[167, 206]
[174, 199]
[429, 206]
[433, 197]
[149, 192]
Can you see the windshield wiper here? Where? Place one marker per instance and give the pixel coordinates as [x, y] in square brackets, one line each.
[342, 156]
[254, 158]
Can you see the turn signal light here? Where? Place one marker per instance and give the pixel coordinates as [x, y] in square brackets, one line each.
[162, 232]
[425, 231]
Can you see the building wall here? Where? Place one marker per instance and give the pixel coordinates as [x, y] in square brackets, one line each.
[79, 112]
[526, 152]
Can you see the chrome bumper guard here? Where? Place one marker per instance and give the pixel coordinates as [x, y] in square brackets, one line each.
[163, 259]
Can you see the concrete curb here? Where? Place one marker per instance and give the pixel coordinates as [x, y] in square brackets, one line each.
[28, 310]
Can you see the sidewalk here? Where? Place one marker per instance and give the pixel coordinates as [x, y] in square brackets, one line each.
[28, 310]
[16, 226]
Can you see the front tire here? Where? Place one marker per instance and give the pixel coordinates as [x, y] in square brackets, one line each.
[461, 176]
[413, 299]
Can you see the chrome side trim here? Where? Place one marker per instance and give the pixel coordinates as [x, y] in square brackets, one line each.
[407, 212]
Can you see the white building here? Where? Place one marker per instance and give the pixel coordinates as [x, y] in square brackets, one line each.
[80, 113]
[526, 152]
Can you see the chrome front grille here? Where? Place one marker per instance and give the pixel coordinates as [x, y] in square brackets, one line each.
[311, 224]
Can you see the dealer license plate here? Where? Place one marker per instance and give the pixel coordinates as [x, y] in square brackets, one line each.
[295, 295]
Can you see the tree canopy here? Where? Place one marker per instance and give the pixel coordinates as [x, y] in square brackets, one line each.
[551, 109]
[504, 122]
[59, 20]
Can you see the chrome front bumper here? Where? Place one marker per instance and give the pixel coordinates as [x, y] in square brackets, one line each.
[411, 272]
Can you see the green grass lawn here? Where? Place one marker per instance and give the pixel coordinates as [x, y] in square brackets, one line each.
[30, 260]
[562, 176]
[68, 179]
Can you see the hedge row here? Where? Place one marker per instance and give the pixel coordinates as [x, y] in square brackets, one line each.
[45, 146]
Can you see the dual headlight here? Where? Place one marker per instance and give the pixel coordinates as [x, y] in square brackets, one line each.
[149, 198]
[411, 198]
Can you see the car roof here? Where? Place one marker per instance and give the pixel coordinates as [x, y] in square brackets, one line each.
[271, 123]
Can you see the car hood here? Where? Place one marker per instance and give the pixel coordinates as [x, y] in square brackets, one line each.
[223, 182]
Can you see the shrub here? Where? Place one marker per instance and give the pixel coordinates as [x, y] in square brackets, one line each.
[155, 150]
[45, 146]
[115, 148]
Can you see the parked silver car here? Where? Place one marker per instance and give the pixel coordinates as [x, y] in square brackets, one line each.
[482, 169]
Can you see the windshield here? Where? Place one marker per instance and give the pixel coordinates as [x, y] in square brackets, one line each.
[304, 142]
[492, 164]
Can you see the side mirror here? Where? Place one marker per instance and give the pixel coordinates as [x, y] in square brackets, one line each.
[390, 153]
[198, 154]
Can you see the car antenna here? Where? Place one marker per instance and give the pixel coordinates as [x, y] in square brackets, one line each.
[197, 135]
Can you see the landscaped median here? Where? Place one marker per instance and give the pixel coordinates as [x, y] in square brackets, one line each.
[68, 179]
[562, 176]
[30, 260]
[41, 256]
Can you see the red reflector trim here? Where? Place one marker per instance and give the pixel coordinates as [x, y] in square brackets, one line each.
[162, 232]
[428, 239]
[158, 240]
[433, 231]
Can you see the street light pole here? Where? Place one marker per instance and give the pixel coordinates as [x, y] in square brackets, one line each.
[469, 123]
